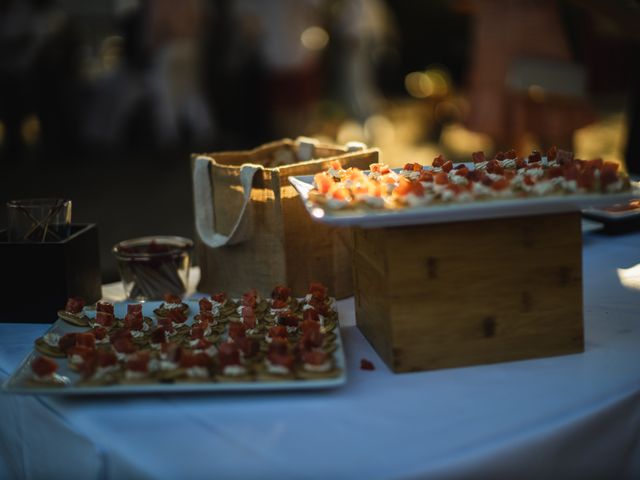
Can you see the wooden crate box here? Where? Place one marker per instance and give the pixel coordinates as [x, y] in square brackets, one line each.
[467, 293]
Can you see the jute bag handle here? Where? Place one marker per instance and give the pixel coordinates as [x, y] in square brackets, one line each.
[203, 201]
[203, 195]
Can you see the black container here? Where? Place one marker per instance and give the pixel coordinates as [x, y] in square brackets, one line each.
[39, 277]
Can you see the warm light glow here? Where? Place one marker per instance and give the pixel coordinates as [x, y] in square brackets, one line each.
[31, 129]
[419, 85]
[314, 38]
[463, 142]
[630, 277]
[536, 93]
[379, 130]
[440, 80]
[350, 131]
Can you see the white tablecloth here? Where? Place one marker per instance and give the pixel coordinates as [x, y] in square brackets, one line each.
[561, 417]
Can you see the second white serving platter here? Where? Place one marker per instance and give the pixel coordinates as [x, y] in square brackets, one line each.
[454, 212]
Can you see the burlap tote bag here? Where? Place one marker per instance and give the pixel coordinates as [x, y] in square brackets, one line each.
[252, 228]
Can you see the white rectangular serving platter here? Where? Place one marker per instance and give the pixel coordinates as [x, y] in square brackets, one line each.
[17, 383]
[454, 212]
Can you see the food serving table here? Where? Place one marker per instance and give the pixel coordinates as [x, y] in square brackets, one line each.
[557, 417]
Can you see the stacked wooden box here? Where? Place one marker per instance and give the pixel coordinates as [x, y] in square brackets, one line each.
[474, 292]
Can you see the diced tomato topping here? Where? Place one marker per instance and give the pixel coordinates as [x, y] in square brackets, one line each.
[190, 360]
[237, 329]
[288, 319]
[134, 321]
[441, 178]
[511, 155]
[570, 172]
[219, 297]
[309, 326]
[607, 177]
[586, 179]
[81, 351]
[99, 332]
[520, 163]
[248, 317]
[171, 298]
[86, 339]
[335, 164]
[529, 180]
[499, 156]
[277, 303]
[380, 168]
[105, 319]
[279, 344]
[323, 182]
[228, 354]
[404, 186]
[135, 308]
[611, 166]
[509, 174]
[281, 292]
[206, 317]
[166, 323]
[366, 365]
[43, 366]
[67, 341]
[197, 331]
[106, 359]
[478, 157]
[412, 167]
[318, 290]
[278, 331]
[447, 166]
[248, 346]
[563, 157]
[205, 305]
[171, 351]
[554, 172]
[341, 194]
[500, 184]
[552, 153]
[284, 360]
[177, 315]
[535, 157]
[106, 307]
[158, 335]
[426, 176]
[311, 314]
[314, 357]
[494, 167]
[138, 362]
[463, 171]
[310, 339]
[438, 161]
[74, 305]
[124, 345]
[596, 163]
[250, 298]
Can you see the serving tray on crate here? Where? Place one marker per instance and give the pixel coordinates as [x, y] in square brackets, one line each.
[455, 212]
[18, 382]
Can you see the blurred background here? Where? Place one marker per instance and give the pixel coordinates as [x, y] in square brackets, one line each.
[104, 101]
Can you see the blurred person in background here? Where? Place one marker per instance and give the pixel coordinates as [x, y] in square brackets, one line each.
[41, 88]
[154, 97]
[523, 80]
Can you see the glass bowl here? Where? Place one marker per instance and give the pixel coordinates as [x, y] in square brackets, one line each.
[150, 267]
